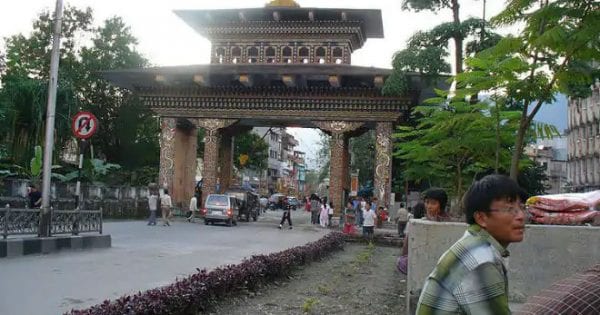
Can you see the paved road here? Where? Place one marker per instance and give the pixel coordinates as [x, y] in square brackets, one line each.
[142, 257]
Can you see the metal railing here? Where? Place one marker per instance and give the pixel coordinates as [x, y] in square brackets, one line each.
[27, 221]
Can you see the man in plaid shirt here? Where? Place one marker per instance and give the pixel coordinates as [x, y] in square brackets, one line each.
[470, 278]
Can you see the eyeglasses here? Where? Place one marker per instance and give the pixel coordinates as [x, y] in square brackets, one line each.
[512, 210]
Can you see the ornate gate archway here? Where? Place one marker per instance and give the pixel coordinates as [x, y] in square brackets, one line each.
[272, 66]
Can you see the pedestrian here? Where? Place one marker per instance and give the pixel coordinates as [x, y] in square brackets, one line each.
[35, 197]
[323, 217]
[470, 277]
[153, 206]
[307, 204]
[165, 206]
[401, 219]
[369, 220]
[315, 207]
[402, 263]
[193, 208]
[435, 210]
[349, 219]
[329, 213]
[287, 215]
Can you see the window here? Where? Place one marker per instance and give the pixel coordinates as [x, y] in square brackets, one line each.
[236, 52]
[303, 52]
[338, 52]
[252, 55]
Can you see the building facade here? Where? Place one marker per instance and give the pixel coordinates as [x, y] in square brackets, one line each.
[584, 142]
[552, 154]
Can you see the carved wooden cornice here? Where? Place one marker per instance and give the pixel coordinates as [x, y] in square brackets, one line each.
[292, 104]
[284, 115]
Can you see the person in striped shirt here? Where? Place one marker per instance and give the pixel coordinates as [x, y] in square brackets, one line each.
[470, 277]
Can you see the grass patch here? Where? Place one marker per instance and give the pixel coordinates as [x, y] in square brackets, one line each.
[309, 304]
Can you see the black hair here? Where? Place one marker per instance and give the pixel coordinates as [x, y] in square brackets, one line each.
[437, 194]
[166, 192]
[483, 192]
[32, 186]
[418, 210]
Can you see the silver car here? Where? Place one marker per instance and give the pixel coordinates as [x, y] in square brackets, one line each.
[220, 208]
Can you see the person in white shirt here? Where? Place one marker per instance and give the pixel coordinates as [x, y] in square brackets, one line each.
[165, 206]
[153, 206]
[193, 208]
[369, 217]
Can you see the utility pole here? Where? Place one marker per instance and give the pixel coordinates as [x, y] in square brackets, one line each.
[44, 228]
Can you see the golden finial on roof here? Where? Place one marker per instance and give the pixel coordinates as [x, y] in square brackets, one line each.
[282, 3]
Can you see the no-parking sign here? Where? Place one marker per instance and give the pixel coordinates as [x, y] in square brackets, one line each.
[84, 125]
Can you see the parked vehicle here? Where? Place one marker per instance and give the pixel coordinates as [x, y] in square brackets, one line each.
[220, 208]
[293, 203]
[277, 201]
[249, 203]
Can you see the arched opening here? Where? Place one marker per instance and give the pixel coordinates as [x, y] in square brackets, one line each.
[236, 52]
[252, 55]
[303, 52]
[320, 54]
[286, 54]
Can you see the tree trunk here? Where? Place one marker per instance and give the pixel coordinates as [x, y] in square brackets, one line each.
[497, 162]
[518, 149]
[458, 38]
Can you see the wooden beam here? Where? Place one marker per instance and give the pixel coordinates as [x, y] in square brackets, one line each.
[334, 81]
[289, 80]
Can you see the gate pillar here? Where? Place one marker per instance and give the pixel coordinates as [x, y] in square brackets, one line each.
[167, 153]
[212, 139]
[226, 161]
[383, 166]
[338, 170]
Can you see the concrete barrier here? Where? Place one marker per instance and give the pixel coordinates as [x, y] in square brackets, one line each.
[548, 253]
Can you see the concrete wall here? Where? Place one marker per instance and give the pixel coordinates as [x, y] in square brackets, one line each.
[548, 253]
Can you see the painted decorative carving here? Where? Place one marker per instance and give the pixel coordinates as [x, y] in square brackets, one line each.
[337, 129]
[212, 126]
[167, 151]
[383, 168]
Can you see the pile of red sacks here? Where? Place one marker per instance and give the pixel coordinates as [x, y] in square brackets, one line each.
[565, 209]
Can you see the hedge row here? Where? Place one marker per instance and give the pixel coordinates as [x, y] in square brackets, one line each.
[200, 291]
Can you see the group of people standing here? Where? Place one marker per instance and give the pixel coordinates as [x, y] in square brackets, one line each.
[166, 205]
[321, 211]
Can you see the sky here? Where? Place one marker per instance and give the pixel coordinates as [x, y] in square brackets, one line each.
[166, 40]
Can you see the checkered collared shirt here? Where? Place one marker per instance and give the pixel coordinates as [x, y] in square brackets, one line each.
[470, 278]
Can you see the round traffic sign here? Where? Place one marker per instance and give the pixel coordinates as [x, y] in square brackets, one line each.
[84, 125]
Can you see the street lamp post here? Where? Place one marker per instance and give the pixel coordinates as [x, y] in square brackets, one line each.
[44, 229]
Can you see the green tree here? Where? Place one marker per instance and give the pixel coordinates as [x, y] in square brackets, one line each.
[128, 131]
[552, 54]
[254, 147]
[452, 142]
[456, 30]
[362, 149]
[24, 81]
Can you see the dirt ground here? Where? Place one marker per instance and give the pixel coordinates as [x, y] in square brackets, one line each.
[361, 279]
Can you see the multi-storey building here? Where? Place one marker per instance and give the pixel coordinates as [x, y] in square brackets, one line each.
[552, 154]
[584, 141]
